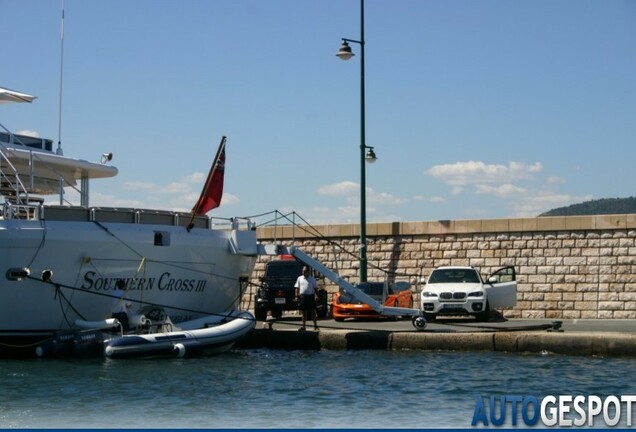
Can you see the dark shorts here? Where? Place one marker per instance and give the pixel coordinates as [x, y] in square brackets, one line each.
[123, 319]
[307, 302]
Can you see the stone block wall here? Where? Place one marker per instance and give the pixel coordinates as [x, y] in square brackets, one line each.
[567, 267]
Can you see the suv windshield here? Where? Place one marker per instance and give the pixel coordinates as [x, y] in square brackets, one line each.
[454, 276]
[284, 270]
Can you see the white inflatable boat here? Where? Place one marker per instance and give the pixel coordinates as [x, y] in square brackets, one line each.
[209, 334]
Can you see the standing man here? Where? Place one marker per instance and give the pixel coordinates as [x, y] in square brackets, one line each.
[121, 309]
[306, 295]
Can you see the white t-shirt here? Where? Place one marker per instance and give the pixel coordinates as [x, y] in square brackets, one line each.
[306, 285]
[121, 303]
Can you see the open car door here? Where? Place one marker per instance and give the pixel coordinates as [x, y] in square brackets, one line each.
[501, 288]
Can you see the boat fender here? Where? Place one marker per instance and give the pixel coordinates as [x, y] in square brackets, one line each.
[188, 348]
[138, 320]
[179, 350]
[108, 350]
[39, 351]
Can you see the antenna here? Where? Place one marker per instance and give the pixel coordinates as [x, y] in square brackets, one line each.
[59, 125]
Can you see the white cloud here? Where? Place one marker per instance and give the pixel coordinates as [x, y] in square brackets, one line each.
[344, 188]
[195, 177]
[533, 205]
[179, 195]
[140, 186]
[351, 191]
[433, 199]
[516, 185]
[189, 185]
[105, 200]
[320, 215]
[175, 188]
[475, 172]
[384, 198]
[229, 199]
[554, 179]
[457, 190]
[504, 190]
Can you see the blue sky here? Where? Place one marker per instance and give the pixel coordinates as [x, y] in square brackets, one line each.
[476, 109]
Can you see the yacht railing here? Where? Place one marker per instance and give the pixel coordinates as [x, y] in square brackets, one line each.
[36, 211]
[21, 211]
[12, 187]
[10, 183]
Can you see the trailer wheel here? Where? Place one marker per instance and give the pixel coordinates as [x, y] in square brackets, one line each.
[419, 322]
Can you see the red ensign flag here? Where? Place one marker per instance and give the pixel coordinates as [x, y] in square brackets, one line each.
[213, 189]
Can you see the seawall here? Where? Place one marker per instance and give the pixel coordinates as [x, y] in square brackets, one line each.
[580, 343]
[567, 267]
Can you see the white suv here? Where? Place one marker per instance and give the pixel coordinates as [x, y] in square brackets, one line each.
[454, 290]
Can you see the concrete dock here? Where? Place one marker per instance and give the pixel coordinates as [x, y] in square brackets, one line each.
[591, 337]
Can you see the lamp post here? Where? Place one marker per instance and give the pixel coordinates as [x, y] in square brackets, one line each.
[345, 53]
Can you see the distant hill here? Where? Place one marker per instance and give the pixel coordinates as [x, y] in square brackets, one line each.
[596, 207]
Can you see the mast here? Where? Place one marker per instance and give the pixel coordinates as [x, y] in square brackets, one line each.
[59, 122]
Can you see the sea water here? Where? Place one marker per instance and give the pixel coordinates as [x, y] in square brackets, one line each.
[292, 389]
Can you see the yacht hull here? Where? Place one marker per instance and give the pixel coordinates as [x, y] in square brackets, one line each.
[54, 272]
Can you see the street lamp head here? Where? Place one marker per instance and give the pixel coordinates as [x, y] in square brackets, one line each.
[345, 52]
[370, 157]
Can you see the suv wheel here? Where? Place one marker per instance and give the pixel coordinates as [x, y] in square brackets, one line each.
[260, 314]
[485, 315]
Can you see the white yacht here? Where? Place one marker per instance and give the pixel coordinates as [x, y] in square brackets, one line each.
[61, 264]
